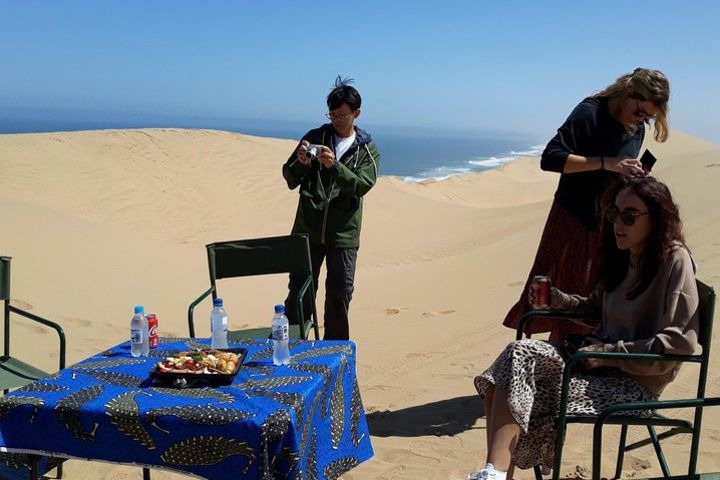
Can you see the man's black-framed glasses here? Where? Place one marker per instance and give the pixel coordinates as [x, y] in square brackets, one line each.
[337, 116]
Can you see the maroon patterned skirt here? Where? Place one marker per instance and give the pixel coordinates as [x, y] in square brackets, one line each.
[568, 254]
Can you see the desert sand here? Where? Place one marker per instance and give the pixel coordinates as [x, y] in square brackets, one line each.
[99, 221]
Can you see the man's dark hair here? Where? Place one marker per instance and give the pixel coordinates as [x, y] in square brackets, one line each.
[341, 93]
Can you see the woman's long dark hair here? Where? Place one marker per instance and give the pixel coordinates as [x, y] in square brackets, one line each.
[666, 232]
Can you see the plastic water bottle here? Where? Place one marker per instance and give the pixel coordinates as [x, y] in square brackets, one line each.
[218, 325]
[139, 343]
[280, 327]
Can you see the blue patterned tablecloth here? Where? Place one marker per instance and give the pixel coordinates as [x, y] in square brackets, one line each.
[304, 420]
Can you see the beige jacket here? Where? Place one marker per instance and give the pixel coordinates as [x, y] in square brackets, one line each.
[662, 319]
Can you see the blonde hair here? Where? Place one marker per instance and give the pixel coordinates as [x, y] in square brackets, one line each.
[648, 85]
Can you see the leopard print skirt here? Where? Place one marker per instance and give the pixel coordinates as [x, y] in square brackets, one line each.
[531, 371]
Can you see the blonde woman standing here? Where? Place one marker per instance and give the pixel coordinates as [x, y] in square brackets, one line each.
[599, 142]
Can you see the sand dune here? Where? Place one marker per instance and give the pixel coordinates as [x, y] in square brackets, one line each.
[99, 221]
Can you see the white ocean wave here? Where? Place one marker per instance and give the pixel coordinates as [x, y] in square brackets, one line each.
[533, 151]
[490, 162]
[477, 164]
[439, 173]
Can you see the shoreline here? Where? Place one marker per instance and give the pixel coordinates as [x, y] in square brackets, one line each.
[441, 173]
[473, 164]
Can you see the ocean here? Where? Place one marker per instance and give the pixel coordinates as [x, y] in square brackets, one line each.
[421, 157]
[411, 154]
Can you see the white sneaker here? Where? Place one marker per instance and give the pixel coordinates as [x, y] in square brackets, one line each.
[482, 474]
[487, 473]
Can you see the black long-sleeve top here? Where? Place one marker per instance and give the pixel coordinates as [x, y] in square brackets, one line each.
[589, 131]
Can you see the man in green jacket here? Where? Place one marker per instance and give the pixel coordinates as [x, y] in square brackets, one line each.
[334, 165]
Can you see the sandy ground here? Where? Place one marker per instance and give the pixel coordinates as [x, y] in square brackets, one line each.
[99, 221]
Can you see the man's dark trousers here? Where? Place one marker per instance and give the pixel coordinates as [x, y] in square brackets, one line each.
[339, 286]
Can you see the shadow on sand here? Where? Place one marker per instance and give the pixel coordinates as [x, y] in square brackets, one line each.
[441, 418]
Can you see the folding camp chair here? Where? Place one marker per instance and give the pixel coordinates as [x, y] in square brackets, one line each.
[15, 373]
[609, 416]
[263, 256]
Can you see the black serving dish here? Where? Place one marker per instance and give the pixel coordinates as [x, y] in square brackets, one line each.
[185, 379]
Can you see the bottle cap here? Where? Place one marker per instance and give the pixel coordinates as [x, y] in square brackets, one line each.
[279, 308]
[218, 302]
[139, 309]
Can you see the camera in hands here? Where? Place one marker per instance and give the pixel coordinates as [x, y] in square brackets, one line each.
[313, 151]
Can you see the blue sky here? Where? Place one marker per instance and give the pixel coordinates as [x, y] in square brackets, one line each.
[517, 66]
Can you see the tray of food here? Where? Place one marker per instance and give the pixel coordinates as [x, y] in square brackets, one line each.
[209, 367]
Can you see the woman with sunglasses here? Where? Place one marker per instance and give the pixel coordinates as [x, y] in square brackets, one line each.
[648, 303]
[598, 142]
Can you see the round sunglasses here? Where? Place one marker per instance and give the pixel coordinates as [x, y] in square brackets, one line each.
[627, 216]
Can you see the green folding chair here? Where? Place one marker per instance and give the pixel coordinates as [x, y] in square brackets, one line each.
[15, 373]
[262, 256]
[617, 414]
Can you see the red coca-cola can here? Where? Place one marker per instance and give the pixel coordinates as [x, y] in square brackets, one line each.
[541, 287]
[152, 330]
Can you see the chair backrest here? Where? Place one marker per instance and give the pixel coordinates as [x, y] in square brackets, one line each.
[706, 306]
[259, 256]
[707, 311]
[5, 301]
[5, 278]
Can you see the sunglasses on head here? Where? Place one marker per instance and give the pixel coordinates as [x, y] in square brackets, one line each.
[627, 216]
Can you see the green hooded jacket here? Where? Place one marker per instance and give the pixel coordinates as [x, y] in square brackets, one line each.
[331, 199]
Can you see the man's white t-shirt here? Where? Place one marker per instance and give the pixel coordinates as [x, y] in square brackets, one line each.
[342, 145]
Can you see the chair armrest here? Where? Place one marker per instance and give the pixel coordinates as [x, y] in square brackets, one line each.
[627, 356]
[655, 405]
[47, 323]
[191, 310]
[533, 314]
[578, 357]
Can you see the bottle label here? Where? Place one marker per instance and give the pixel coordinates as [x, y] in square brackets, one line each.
[135, 335]
[218, 322]
[214, 328]
[280, 332]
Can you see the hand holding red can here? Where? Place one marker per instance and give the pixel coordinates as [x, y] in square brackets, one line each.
[539, 292]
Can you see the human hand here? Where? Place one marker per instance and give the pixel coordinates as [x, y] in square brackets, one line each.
[558, 299]
[555, 299]
[326, 157]
[624, 165]
[590, 363]
[301, 153]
